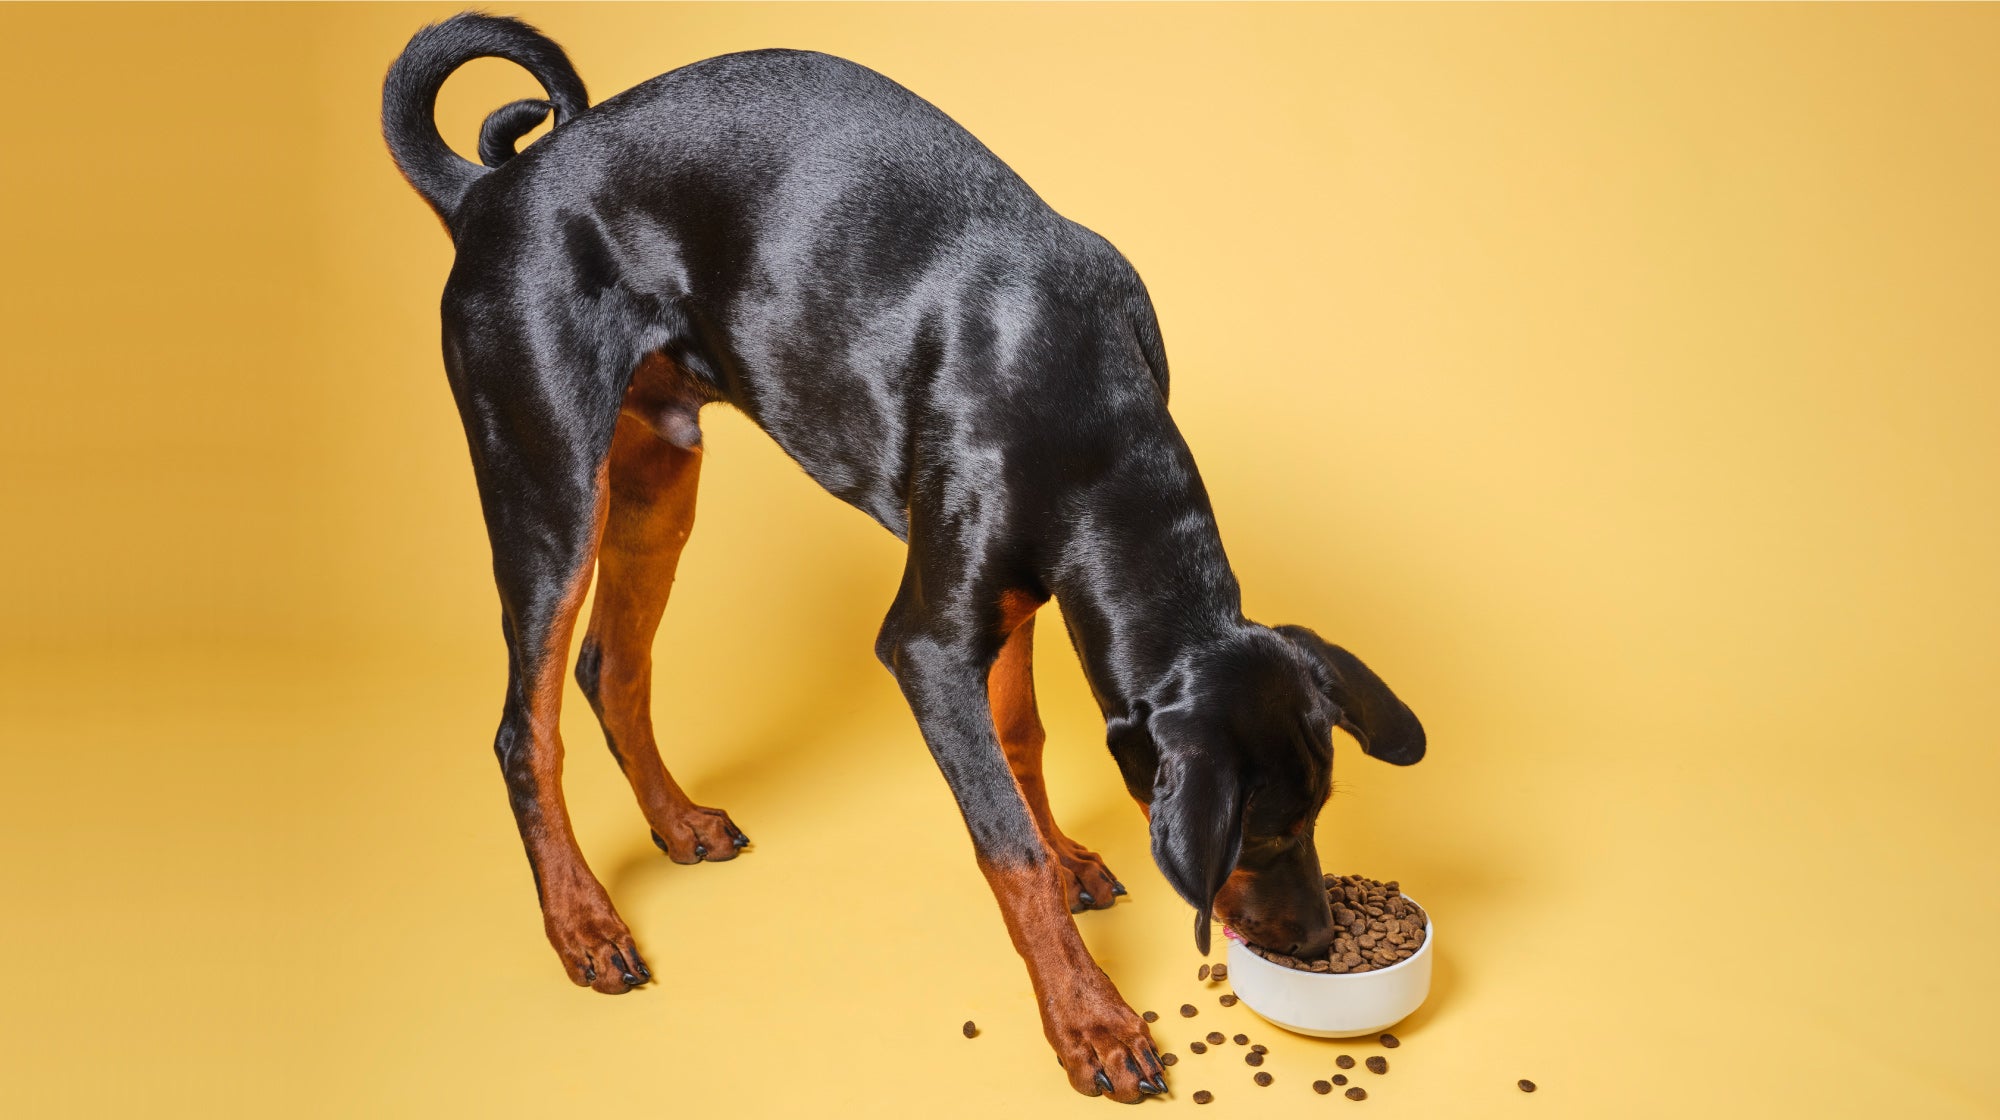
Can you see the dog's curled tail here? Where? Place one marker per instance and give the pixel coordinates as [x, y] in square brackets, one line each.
[409, 101]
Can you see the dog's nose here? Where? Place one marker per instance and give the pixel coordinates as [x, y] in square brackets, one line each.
[1316, 944]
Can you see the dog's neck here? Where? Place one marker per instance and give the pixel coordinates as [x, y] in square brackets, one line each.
[1144, 578]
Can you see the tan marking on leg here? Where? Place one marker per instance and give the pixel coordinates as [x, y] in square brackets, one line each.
[577, 914]
[653, 484]
[1088, 1023]
[1010, 691]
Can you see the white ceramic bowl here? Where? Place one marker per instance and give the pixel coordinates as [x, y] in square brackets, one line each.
[1333, 1004]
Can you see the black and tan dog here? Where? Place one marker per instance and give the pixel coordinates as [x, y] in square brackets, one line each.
[806, 240]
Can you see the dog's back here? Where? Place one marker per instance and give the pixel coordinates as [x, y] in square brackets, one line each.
[817, 245]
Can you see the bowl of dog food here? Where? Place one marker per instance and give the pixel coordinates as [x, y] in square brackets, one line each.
[1377, 972]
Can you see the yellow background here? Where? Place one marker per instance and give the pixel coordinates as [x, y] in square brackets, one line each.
[1620, 381]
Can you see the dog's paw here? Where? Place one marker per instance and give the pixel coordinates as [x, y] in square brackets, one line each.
[698, 834]
[1089, 883]
[596, 948]
[1106, 1050]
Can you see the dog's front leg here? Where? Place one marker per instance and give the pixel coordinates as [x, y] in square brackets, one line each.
[1102, 1043]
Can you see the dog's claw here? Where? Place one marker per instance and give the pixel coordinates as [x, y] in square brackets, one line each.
[701, 851]
[1117, 888]
[1085, 898]
[1103, 1081]
[624, 970]
[659, 843]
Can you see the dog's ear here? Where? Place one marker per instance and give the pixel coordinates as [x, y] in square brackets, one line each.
[1384, 726]
[1197, 819]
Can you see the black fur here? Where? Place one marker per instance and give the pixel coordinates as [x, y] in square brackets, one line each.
[824, 250]
[506, 125]
[409, 98]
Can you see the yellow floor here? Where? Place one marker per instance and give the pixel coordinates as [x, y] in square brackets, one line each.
[1621, 382]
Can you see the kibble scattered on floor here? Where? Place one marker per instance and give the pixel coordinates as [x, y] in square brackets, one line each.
[1219, 972]
[1262, 1079]
[1228, 1001]
[1198, 1046]
[970, 1028]
[1151, 1016]
[1378, 1064]
[1188, 1011]
[1203, 974]
[1261, 1048]
[1322, 1087]
[1253, 1058]
[1203, 1096]
[1357, 1094]
[1345, 1061]
[1390, 1041]
[1340, 1079]
[1241, 1040]
[1526, 1085]
[1216, 1038]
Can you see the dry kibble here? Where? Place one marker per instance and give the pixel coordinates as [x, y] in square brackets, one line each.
[1378, 1064]
[1344, 1062]
[970, 1028]
[1241, 1040]
[1262, 1079]
[1261, 1048]
[1228, 1001]
[1198, 1046]
[1203, 974]
[1357, 1094]
[1340, 1079]
[1151, 1016]
[1219, 972]
[1322, 1087]
[1526, 1085]
[1187, 1011]
[1169, 1058]
[1216, 1038]
[1391, 1041]
[1203, 1096]
[1253, 1058]
[1379, 927]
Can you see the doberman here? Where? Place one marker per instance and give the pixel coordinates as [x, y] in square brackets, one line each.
[806, 240]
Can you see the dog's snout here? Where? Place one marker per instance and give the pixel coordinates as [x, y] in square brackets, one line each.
[1280, 906]
[1317, 943]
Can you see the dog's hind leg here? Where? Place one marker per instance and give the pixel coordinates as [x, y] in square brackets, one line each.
[1010, 689]
[651, 487]
[539, 422]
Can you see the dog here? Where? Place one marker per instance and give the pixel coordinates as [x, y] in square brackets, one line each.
[801, 238]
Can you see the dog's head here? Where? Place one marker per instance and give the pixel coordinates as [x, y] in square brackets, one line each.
[1234, 765]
